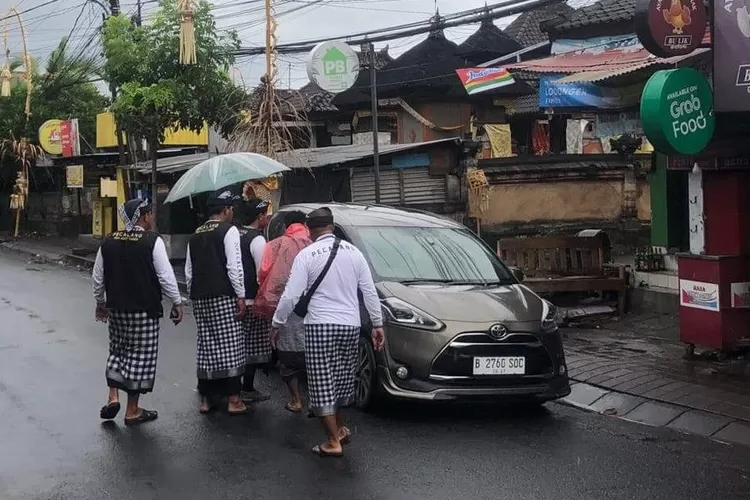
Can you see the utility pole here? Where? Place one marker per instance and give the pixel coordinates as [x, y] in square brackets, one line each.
[138, 19]
[374, 113]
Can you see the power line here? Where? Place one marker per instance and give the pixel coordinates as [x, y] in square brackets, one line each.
[503, 9]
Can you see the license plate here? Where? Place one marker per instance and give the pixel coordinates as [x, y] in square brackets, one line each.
[506, 365]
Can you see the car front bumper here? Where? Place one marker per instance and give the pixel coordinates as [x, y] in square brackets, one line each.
[549, 390]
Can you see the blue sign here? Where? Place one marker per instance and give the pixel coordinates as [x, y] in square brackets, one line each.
[410, 161]
[585, 95]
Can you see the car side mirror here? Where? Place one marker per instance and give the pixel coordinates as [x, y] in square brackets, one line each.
[518, 273]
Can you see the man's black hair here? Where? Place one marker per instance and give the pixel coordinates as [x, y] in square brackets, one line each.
[212, 210]
[294, 217]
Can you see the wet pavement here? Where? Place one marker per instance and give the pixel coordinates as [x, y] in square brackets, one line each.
[54, 446]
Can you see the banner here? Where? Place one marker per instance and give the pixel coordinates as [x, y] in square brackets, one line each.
[596, 45]
[476, 80]
[586, 95]
[731, 54]
[69, 138]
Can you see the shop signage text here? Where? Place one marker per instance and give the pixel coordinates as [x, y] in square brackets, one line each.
[333, 66]
[669, 28]
[677, 111]
[731, 55]
[585, 95]
[699, 295]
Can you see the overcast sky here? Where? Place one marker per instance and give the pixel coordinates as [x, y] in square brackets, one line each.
[48, 24]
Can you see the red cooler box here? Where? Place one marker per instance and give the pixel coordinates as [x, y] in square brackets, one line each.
[714, 300]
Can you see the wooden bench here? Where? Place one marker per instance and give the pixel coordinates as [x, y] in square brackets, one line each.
[565, 264]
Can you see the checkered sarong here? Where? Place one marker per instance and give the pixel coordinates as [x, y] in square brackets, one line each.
[257, 339]
[221, 343]
[133, 351]
[331, 359]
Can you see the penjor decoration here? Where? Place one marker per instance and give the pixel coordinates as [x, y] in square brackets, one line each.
[187, 31]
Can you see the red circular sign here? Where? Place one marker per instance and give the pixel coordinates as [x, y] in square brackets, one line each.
[669, 28]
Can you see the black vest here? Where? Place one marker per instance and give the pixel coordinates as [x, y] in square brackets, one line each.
[247, 235]
[130, 279]
[209, 261]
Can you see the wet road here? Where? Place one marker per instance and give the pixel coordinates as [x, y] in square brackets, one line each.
[53, 446]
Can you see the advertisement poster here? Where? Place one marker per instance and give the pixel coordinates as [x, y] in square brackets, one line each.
[699, 295]
[74, 176]
[585, 95]
[69, 138]
[731, 55]
[596, 45]
[476, 80]
[741, 295]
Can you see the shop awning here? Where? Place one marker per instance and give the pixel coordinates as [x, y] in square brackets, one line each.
[597, 67]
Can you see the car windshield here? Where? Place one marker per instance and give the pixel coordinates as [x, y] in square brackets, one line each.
[444, 255]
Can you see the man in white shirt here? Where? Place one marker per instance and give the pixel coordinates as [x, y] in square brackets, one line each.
[131, 272]
[332, 322]
[215, 280]
[256, 328]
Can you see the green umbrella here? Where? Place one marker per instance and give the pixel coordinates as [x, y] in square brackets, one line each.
[222, 171]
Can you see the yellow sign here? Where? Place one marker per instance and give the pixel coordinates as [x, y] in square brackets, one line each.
[107, 188]
[74, 176]
[50, 137]
[97, 218]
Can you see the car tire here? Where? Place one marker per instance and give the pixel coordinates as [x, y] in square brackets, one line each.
[366, 386]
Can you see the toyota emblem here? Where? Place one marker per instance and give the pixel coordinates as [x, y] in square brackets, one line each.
[498, 331]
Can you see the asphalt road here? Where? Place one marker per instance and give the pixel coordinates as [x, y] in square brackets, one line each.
[53, 445]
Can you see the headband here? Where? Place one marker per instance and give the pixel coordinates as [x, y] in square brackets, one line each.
[131, 221]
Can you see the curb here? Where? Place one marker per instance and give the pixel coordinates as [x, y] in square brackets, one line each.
[655, 413]
[50, 257]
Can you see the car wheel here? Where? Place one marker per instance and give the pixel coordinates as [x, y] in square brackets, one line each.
[367, 375]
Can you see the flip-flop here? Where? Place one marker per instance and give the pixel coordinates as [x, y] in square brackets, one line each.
[347, 437]
[321, 452]
[204, 411]
[145, 416]
[240, 412]
[289, 407]
[109, 411]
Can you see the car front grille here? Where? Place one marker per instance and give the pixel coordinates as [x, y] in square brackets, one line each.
[455, 361]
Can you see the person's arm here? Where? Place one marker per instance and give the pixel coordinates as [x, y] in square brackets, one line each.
[165, 272]
[188, 269]
[369, 293]
[257, 246]
[97, 278]
[294, 289]
[233, 251]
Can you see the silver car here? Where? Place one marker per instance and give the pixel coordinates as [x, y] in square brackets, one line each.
[459, 323]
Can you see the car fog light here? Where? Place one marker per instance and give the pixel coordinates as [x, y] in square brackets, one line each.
[402, 372]
[562, 370]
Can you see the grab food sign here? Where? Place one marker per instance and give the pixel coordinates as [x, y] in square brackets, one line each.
[677, 111]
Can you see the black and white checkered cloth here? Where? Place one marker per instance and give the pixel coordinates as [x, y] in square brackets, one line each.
[221, 343]
[331, 359]
[257, 339]
[133, 351]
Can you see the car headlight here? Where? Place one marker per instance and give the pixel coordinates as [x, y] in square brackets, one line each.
[404, 313]
[550, 316]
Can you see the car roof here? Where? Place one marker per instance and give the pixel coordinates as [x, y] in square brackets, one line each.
[362, 215]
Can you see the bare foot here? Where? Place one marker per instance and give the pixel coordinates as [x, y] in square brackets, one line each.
[345, 435]
[206, 406]
[236, 406]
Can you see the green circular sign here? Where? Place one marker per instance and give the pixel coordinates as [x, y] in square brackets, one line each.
[677, 111]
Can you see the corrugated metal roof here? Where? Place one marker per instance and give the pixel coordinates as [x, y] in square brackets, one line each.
[338, 155]
[174, 164]
[601, 66]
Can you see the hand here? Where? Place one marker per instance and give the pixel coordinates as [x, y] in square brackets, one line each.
[176, 314]
[378, 338]
[275, 333]
[102, 313]
[241, 308]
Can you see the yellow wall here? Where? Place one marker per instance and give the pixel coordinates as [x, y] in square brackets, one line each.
[107, 138]
[562, 201]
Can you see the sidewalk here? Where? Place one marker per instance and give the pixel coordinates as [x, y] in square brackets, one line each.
[50, 249]
[635, 370]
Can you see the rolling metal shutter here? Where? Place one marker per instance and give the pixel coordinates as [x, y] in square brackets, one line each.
[408, 186]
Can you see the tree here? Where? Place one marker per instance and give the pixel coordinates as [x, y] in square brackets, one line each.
[154, 91]
[63, 90]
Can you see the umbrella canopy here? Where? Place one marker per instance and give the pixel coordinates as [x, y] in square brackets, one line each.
[222, 171]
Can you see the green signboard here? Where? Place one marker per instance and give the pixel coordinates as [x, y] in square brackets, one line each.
[677, 111]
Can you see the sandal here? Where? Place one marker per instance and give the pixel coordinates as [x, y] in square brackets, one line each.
[233, 413]
[294, 409]
[323, 453]
[347, 436]
[109, 411]
[145, 416]
[207, 410]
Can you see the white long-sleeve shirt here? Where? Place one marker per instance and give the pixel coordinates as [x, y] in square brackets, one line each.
[335, 301]
[162, 266]
[233, 252]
